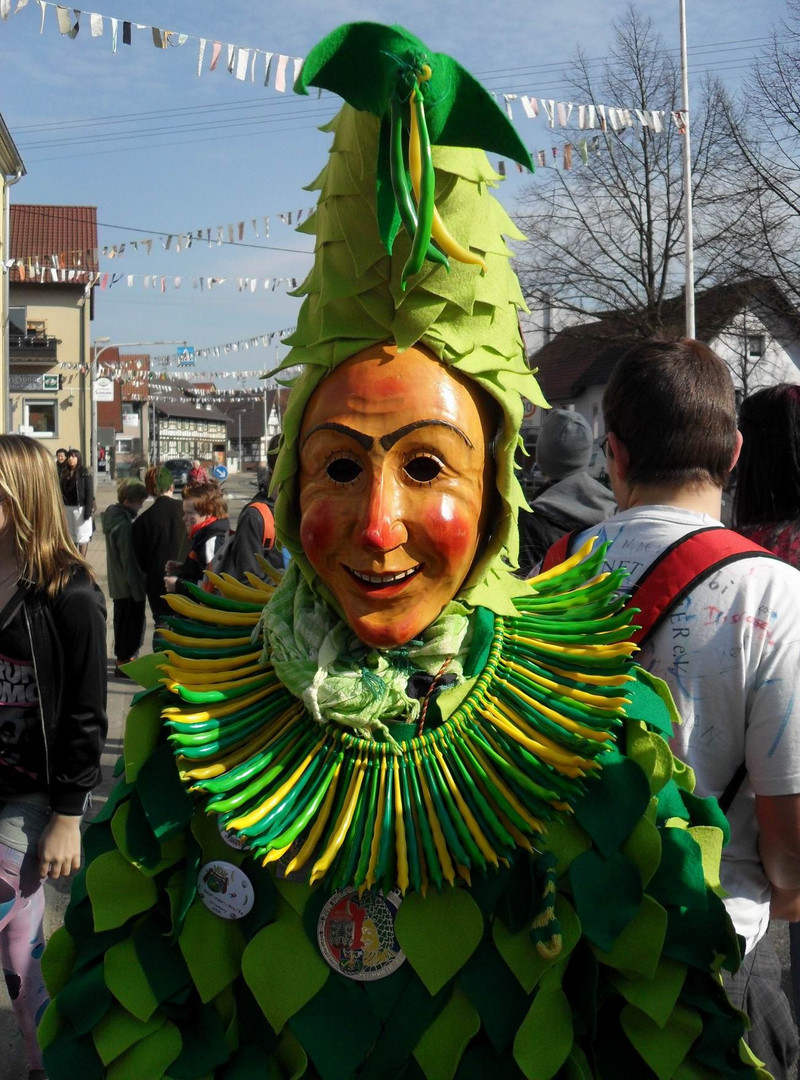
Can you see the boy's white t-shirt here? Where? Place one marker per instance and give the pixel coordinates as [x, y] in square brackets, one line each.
[730, 653]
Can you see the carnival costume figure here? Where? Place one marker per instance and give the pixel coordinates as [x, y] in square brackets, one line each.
[399, 813]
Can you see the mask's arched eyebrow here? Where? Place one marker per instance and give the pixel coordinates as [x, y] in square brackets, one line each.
[363, 440]
[388, 441]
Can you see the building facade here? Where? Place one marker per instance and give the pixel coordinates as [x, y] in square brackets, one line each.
[12, 170]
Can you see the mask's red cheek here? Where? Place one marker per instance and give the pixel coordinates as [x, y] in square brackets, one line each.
[453, 532]
[318, 531]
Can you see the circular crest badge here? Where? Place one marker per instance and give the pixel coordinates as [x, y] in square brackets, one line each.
[225, 890]
[356, 934]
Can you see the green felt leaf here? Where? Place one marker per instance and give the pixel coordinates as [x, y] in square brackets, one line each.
[521, 954]
[613, 803]
[710, 841]
[639, 945]
[651, 702]
[212, 948]
[119, 1030]
[545, 1037]
[146, 670]
[203, 1046]
[662, 1048]
[167, 804]
[161, 960]
[85, 999]
[607, 895]
[150, 1058]
[49, 1025]
[452, 919]
[337, 1029]
[657, 996]
[439, 1050]
[643, 846]
[680, 877]
[66, 1057]
[291, 1055]
[651, 753]
[295, 893]
[127, 982]
[143, 732]
[566, 839]
[57, 960]
[283, 969]
[117, 890]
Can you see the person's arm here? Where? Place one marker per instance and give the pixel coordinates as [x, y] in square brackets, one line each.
[79, 614]
[133, 572]
[779, 846]
[89, 504]
[60, 846]
[247, 541]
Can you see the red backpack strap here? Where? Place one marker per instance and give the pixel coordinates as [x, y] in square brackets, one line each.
[557, 552]
[269, 523]
[679, 568]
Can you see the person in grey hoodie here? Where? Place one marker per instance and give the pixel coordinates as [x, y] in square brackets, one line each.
[572, 498]
[126, 579]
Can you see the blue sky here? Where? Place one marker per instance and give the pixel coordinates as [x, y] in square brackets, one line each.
[181, 153]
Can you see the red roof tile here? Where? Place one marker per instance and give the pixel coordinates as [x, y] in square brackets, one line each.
[40, 232]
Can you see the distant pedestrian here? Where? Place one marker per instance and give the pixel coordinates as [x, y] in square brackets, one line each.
[205, 517]
[52, 714]
[126, 579]
[572, 499]
[77, 489]
[199, 475]
[61, 459]
[158, 537]
[255, 530]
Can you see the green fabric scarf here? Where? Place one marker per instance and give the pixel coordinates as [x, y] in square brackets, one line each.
[338, 678]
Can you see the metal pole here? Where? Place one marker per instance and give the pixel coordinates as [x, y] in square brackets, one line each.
[240, 440]
[688, 231]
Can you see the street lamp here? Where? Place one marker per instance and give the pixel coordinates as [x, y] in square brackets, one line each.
[96, 354]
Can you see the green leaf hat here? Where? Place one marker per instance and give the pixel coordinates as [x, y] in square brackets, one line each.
[356, 295]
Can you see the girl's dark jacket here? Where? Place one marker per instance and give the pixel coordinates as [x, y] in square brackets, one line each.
[68, 645]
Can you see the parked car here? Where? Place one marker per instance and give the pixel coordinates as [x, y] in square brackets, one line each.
[180, 468]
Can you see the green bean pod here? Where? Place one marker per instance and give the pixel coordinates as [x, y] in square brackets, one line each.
[401, 185]
[427, 193]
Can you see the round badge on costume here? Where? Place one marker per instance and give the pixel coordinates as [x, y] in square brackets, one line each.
[232, 838]
[356, 934]
[225, 890]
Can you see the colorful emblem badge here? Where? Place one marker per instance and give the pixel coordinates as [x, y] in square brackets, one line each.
[225, 890]
[356, 934]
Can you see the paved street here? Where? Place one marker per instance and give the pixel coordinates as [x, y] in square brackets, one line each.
[12, 1062]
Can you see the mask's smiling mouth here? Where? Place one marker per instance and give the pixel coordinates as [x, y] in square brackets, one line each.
[385, 580]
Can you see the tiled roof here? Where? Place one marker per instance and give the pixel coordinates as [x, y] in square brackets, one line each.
[38, 232]
[191, 409]
[251, 410]
[583, 356]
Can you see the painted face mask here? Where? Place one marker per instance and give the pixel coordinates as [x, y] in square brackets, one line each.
[394, 477]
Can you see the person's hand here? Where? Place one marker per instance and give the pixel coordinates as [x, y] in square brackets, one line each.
[785, 904]
[60, 846]
[170, 583]
[172, 566]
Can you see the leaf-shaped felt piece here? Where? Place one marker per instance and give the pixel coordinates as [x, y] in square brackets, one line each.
[439, 1050]
[146, 670]
[550, 1016]
[119, 1030]
[117, 890]
[452, 920]
[85, 999]
[149, 1059]
[128, 982]
[364, 62]
[167, 804]
[639, 945]
[651, 752]
[566, 839]
[655, 997]
[644, 847]
[663, 1048]
[212, 948]
[607, 895]
[291, 1055]
[57, 960]
[521, 954]
[651, 702]
[709, 840]
[613, 803]
[142, 733]
[283, 969]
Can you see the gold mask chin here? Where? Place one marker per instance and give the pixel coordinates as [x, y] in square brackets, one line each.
[395, 475]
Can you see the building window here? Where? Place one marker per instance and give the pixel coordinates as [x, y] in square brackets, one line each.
[755, 346]
[41, 416]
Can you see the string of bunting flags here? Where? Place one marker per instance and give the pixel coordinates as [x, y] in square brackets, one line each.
[246, 63]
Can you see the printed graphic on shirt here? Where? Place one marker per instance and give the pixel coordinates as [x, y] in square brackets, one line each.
[19, 719]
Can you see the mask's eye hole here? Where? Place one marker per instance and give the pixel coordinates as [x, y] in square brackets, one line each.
[423, 469]
[343, 470]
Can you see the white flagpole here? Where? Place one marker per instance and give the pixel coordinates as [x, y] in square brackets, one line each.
[687, 179]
